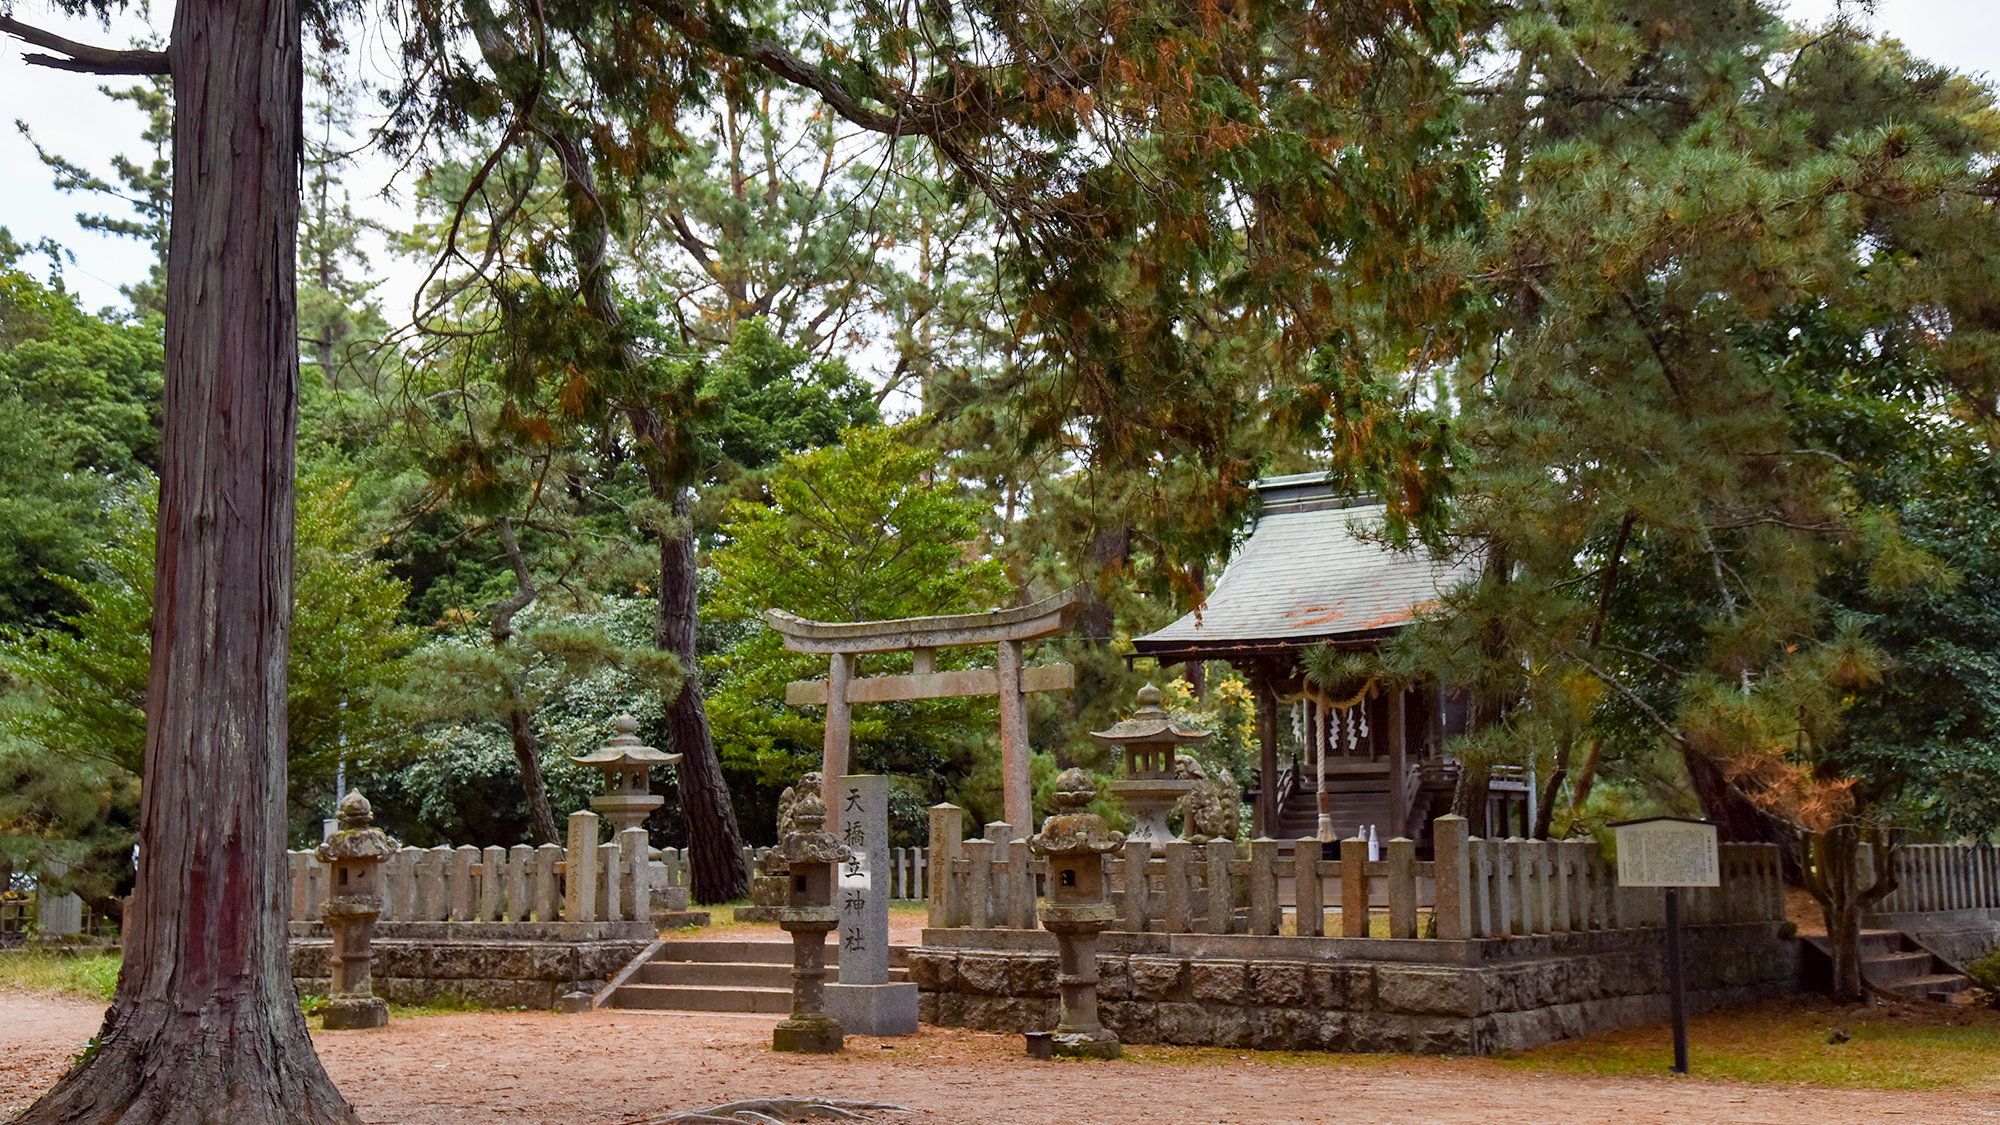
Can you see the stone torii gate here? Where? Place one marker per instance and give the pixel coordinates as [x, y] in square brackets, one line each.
[922, 637]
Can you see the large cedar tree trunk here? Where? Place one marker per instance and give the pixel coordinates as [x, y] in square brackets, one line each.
[205, 1026]
[715, 842]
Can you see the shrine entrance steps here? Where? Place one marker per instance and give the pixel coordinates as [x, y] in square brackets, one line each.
[1898, 964]
[1357, 796]
[709, 975]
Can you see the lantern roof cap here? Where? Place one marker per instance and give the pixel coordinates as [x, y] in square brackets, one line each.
[625, 749]
[1149, 725]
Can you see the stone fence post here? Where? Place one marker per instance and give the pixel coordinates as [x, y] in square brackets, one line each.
[580, 869]
[947, 841]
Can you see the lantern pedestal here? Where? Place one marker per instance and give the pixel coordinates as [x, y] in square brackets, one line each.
[354, 854]
[1078, 909]
[809, 915]
[1078, 1033]
[808, 1030]
[1149, 800]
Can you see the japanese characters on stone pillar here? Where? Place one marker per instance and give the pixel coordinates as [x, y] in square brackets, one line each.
[863, 825]
[864, 1001]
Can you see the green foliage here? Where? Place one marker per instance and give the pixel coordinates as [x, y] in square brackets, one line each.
[862, 531]
[77, 730]
[145, 186]
[573, 668]
[90, 976]
[68, 820]
[769, 401]
[79, 410]
[1985, 972]
[1705, 302]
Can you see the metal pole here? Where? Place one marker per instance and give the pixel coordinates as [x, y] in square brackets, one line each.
[1676, 986]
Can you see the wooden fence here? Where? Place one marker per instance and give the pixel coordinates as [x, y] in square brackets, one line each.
[1474, 888]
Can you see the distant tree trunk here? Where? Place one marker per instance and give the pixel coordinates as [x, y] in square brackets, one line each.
[1490, 704]
[528, 754]
[1095, 624]
[205, 1025]
[1469, 796]
[1586, 776]
[1545, 814]
[1737, 818]
[521, 716]
[715, 843]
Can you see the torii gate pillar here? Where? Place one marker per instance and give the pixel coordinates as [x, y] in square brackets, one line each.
[1008, 680]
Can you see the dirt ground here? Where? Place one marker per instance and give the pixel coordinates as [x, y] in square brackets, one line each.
[620, 1068]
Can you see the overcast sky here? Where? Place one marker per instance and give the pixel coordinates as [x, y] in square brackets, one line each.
[69, 116]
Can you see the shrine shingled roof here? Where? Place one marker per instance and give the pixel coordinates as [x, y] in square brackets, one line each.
[1305, 576]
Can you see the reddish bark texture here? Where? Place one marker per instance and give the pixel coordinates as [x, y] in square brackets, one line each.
[714, 839]
[205, 1026]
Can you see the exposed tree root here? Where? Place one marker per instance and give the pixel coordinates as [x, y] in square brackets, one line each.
[773, 1111]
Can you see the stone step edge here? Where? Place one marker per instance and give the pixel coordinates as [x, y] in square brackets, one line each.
[833, 971]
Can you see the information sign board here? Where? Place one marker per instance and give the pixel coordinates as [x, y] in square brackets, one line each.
[1667, 851]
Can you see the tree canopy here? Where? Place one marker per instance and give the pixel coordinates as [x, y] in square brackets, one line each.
[1676, 317]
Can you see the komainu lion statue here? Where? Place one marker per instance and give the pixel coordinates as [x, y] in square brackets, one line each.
[1213, 810]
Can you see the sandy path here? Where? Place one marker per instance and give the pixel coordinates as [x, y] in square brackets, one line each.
[612, 1067]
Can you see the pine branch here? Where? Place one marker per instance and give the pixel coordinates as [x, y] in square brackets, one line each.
[83, 57]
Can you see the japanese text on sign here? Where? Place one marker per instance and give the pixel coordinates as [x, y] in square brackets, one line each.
[1667, 853]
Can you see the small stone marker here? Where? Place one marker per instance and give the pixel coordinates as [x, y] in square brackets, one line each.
[865, 1001]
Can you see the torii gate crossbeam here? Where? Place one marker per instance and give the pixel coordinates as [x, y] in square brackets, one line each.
[922, 637]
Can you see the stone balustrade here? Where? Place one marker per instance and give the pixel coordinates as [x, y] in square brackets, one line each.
[1474, 888]
[525, 883]
[517, 884]
[1934, 878]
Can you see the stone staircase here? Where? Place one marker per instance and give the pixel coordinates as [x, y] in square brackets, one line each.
[719, 975]
[1898, 964]
[1357, 794]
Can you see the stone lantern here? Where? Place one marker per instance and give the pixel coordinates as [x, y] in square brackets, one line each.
[1150, 741]
[1077, 910]
[354, 854]
[811, 855]
[627, 767]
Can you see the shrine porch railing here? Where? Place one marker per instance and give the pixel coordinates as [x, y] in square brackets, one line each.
[1474, 888]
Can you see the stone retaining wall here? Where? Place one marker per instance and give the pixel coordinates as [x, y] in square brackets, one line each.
[494, 973]
[1304, 994]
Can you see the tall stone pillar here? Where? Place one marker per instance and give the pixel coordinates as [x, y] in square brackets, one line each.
[865, 1001]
